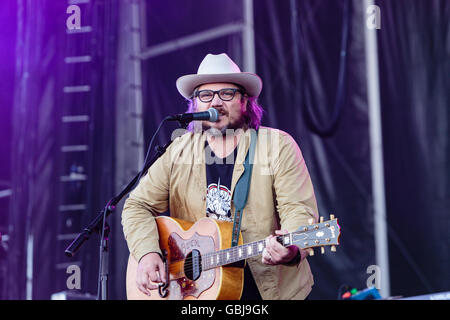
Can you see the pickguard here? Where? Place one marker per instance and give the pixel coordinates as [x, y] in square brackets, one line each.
[178, 249]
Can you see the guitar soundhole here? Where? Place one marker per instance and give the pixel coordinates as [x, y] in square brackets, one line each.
[193, 265]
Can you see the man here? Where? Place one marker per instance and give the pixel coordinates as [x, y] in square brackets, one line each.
[197, 175]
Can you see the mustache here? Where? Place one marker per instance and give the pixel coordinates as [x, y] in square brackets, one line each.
[221, 110]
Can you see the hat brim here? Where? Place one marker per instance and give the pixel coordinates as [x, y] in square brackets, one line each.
[250, 81]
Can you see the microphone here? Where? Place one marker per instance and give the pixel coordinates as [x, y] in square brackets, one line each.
[210, 115]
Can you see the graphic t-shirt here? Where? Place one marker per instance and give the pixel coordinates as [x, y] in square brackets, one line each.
[219, 172]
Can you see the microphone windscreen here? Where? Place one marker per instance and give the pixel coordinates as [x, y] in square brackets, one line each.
[214, 114]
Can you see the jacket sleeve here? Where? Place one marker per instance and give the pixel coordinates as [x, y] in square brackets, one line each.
[295, 199]
[147, 200]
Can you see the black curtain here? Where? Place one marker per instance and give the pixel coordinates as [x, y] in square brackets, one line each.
[414, 53]
[320, 99]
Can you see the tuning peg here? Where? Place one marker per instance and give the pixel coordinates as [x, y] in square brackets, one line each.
[331, 216]
[321, 219]
[311, 252]
[333, 248]
[322, 250]
[311, 221]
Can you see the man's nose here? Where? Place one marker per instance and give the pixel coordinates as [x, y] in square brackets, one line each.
[216, 101]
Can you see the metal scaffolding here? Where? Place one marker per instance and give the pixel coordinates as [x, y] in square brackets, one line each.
[376, 155]
[245, 28]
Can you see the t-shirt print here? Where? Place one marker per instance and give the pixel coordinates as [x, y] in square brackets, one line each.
[218, 202]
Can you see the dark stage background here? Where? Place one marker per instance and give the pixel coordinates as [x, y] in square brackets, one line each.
[78, 108]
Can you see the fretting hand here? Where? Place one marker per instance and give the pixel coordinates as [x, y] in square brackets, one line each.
[274, 253]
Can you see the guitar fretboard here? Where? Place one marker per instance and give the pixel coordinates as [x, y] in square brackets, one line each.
[234, 254]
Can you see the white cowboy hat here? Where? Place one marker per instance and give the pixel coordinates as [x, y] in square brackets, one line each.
[219, 68]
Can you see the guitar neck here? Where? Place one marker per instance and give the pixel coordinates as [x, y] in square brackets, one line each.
[325, 233]
[234, 254]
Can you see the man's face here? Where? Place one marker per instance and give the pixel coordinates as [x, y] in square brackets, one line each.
[231, 113]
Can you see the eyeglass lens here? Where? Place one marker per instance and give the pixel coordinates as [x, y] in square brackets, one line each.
[224, 94]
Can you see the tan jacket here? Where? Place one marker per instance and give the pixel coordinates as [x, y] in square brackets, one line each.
[281, 196]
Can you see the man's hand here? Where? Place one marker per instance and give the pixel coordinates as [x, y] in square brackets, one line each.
[150, 269]
[274, 253]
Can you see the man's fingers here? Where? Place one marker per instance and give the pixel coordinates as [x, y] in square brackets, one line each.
[277, 251]
[150, 272]
[281, 232]
[270, 255]
[152, 286]
[154, 275]
[266, 257]
[270, 248]
[158, 274]
[162, 271]
[275, 248]
[143, 283]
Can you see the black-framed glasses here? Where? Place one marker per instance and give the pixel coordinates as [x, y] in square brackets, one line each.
[225, 94]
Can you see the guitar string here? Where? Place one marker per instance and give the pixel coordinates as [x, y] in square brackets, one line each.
[205, 256]
[234, 249]
[189, 264]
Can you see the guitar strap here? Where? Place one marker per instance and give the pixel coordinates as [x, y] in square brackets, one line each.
[242, 187]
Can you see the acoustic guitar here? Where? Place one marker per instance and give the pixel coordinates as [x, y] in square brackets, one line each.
[202, 265]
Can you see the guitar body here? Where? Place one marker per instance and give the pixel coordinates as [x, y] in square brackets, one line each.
[179, 238]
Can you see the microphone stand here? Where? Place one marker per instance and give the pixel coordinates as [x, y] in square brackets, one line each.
[99, 225]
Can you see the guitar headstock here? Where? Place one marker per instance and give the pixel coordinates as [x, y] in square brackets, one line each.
[324, 233]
